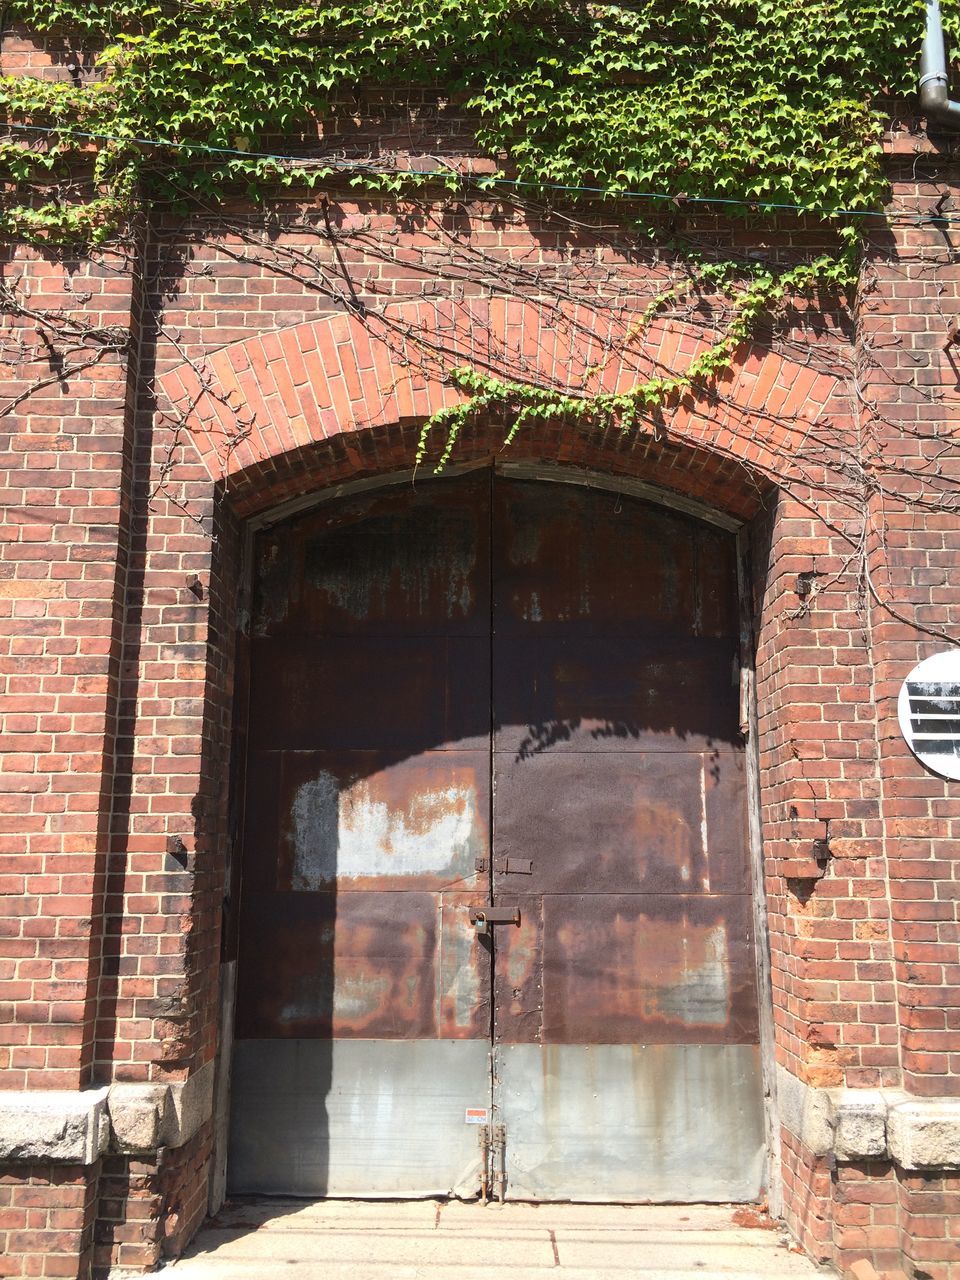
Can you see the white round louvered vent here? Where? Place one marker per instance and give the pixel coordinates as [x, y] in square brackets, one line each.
[929, 712]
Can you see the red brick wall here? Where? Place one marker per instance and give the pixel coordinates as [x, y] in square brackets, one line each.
[258, 366]
[808, 1198]
[866, 1214]
[64, 455]
[46, 1220]
[831, 953]
[151, 1208]
[911, 295]
[184, 1174]
[129, 1226]
[930, 1225]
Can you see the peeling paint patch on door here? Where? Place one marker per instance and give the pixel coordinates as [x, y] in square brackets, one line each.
[418, 818]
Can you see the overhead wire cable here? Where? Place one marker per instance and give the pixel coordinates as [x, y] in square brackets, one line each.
[750, 203]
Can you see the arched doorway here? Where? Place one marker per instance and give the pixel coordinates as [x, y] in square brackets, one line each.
[495, 915]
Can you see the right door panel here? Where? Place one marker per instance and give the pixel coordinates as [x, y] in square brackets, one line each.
[626, 1064]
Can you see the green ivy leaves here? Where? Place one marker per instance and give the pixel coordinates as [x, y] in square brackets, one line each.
[764, 101]
[756, 102]
[523, 402]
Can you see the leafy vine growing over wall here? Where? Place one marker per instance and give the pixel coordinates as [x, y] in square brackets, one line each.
[757, 106]
[764, 101]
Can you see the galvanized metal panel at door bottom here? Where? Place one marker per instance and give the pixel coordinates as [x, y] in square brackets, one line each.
[631, 1123]
[356, 1117]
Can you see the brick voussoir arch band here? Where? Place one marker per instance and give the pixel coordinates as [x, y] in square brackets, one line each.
[253, 402]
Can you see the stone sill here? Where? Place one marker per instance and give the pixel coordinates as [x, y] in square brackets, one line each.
[137, 1119]
[871, 1124]
[78, 1127]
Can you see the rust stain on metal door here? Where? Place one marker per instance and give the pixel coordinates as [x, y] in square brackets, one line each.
[563, 662]
[628, 994]
[368, 789]
[619, 775]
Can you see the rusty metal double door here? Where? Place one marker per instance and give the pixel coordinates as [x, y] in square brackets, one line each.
[495, 924]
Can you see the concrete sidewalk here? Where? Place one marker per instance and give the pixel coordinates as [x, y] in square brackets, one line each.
[430, 1240]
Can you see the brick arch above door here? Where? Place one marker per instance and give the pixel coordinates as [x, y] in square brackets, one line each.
[270, 414]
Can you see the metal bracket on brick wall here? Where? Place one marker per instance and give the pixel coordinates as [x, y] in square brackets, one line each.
[871, 1124]
[77, 1126]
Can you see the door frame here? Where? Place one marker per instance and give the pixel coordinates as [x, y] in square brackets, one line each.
[555, 473]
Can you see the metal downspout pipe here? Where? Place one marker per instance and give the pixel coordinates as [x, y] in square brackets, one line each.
[934, 91]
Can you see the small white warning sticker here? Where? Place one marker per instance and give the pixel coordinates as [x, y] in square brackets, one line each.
[475, 1115]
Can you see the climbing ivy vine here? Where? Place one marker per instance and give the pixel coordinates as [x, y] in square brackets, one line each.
[756, 103]
[525, 404]
[764, 101]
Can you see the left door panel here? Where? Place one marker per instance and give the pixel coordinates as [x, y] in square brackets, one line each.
[363, 1013]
